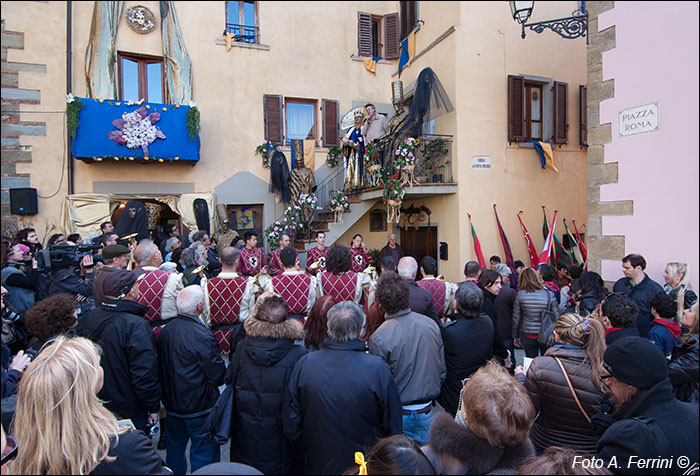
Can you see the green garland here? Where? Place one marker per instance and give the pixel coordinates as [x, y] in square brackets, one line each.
[193, 123]
[73, 109]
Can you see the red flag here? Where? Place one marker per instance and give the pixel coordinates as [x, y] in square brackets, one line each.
[581, 244]
[477, 245]
[534, 259]
[547, 248]
[506, 246]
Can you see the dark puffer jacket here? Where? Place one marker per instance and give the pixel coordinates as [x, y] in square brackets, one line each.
[683, 371]
[454, 449]
[560, 421]
[267, 356]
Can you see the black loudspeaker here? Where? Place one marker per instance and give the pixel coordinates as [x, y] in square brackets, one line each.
[23, 201]
[443, 250]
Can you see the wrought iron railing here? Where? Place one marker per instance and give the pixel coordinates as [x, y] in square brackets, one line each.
[243, 33]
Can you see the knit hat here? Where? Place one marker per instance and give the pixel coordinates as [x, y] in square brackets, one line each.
[635, 361]
[112, 251]
[120, 282]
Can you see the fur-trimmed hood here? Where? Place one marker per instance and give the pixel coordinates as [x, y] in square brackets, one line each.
[454, 446]
[288, 329]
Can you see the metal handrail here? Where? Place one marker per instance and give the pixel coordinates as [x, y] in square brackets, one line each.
[250, 33]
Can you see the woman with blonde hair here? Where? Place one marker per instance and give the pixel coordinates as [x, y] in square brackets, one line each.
[565, 387]
[530, 302]
[61, 426]
[677, 277]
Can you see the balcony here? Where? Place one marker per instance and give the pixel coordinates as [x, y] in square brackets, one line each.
[243, 33]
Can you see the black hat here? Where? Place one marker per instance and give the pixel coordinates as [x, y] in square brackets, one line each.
[112, 251]
[636, 361]
[119, 282]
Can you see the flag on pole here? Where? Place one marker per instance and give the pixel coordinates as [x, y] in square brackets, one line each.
[506, 246]
[581, 244]
[547, 248]
[574, 244]
[534, 259]
[560, 255]
[477, 245]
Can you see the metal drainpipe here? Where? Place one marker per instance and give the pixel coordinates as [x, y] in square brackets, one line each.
[69, 73]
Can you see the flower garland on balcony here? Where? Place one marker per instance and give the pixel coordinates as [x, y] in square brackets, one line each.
[339, 203]
[265, 151]
[334, 155]
[433, 150]
[372, 165]
[73, 107]
[405, 160]
[136, 129]
[393, 192]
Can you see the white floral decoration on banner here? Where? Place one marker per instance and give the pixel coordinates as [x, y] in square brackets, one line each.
[137, 130]
[69, 98]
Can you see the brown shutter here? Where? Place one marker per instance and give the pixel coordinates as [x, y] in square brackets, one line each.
[561, 112]
[272, 106]
[330, 122]
[364, 34]
[516, 106]
[583, 115]
[391, 36]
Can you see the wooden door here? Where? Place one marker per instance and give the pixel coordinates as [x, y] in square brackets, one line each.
[420, 243]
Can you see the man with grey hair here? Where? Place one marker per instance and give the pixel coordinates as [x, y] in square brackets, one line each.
[194, 260]
[158, 289]
[421, 299]
[468, 338]
[171, 245]
[191, 371]
[392, 249]
[228, 301]
[331, 409]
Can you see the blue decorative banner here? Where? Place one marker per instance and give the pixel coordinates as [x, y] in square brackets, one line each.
[113, 130]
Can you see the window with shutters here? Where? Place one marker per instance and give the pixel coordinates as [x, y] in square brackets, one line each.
[582, 118]
[378, 36]
[537, 109]
[288, 118]
[300, 118]
[409, 16]
[141, 77]
[242, 21]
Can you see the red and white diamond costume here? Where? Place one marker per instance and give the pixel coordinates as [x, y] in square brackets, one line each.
[298, 289]
[360, 259]
[348, 286]
[443, 294]
[251, 262]
[275, 264]
[224, 297]
[313, 255]
[158, 290]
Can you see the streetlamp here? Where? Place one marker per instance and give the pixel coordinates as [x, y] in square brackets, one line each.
[571, 27]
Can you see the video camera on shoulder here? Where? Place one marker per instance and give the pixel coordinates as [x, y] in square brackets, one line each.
[57, 257]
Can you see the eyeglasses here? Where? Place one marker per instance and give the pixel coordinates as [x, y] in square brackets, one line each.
[464, 381]
[603, 378]
[10, 451]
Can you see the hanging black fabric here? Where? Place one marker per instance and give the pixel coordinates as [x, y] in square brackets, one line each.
[429, 101]
[132, 219]
[201, 214]
[279, 175]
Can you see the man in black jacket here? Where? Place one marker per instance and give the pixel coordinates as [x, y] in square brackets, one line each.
[421, 299]
[654, 433]
[336, 411]
[191, 370]
[128, 358]
[637, 285]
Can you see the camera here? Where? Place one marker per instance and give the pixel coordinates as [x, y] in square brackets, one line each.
[64, 256]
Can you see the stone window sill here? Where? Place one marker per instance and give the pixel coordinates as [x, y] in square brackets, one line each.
[381, 61]
[240, 44]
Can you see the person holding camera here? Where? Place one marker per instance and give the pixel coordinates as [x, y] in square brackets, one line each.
[67, 280]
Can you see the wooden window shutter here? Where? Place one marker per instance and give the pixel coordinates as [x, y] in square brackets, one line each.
[331, 122]
[516, 106]
[583, 115]
[392, 38]
[561, 112]
[364, 34]
[272, 106]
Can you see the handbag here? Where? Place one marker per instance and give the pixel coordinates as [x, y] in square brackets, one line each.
[548, 319]
[218, 427]
[573, 392]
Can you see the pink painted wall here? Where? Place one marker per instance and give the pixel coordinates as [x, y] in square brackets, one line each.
[655, 60]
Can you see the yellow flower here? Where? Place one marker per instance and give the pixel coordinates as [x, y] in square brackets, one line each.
[145, 158]
[177, 105]
[160, 160]
[131, 158]
[99, 159]
[116, 158]
[165, 109]
[177, 158]
[147, 106]
[117, 104]
[101, 100]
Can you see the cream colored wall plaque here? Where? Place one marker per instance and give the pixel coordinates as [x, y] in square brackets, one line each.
[140, 19]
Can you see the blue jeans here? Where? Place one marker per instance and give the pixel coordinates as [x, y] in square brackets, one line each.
[416, 426]
[531, 347]
[177, 432]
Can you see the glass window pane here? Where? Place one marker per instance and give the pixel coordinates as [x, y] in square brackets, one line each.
[232, 13]
[535, 98]
[536, 130]
[249, 13]
[154, 82]
[130, 78]
[300, 120]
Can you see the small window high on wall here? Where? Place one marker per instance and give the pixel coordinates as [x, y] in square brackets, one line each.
[242, 21]
[141, 77]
